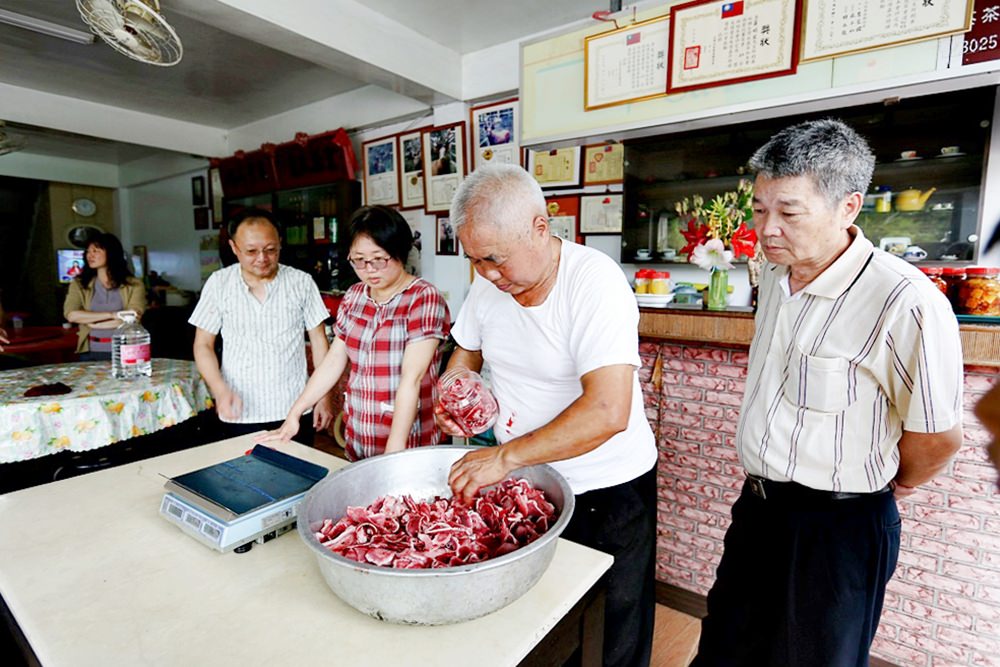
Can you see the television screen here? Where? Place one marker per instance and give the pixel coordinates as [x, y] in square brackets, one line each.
[69, 263]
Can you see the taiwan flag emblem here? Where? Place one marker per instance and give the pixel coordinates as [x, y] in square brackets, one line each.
[731, 9]
[633, 38]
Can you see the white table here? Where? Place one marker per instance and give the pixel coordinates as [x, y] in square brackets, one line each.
[94, 576]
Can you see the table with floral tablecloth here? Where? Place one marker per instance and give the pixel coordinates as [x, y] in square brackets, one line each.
[100, 409]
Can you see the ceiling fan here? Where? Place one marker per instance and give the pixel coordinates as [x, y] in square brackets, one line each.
[9, 143]
[134, 28]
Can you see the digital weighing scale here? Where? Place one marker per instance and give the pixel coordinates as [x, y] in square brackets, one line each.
[230, 505]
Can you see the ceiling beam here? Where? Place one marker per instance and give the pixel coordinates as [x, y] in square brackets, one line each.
[344, 36]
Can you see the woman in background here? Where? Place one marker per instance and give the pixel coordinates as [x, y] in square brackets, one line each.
[389, 326]
[104, 287]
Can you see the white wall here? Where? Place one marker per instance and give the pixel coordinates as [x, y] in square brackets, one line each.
[161, 218]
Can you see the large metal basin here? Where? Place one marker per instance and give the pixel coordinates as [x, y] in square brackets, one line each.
[425, 597]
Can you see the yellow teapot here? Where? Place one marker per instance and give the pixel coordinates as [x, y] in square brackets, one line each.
[912, 199]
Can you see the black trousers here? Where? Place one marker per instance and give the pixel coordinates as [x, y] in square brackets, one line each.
[621, 521]
[801, 582]
[305, 435]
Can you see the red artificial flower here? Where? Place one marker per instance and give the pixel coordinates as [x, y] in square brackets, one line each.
[694, 236]
[743, 241]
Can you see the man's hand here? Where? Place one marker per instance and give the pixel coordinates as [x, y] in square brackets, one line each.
[288, 430]
[323, 413]
[448, 425]
[228, 405]
[477, 469]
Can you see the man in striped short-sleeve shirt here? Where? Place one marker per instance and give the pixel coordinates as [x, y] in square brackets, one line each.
[261, 308]
[853, 399]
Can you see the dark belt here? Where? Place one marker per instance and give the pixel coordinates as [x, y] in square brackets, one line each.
[768, 489]
[95, 339]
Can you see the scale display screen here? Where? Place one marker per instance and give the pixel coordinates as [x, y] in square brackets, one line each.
[245, 484]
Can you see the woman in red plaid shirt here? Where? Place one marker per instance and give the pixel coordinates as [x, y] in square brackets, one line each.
[390, 326]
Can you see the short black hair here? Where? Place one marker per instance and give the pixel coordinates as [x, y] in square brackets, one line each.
[250, 214]
[386, 227]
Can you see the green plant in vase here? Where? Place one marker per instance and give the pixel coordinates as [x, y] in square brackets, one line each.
[718, 232]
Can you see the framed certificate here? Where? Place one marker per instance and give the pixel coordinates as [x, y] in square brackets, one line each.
[381, 164]
[718, 42]
[495, 129]
[564, 216]
[444, 165]
[603, 163]
[558, 168]
[626, 65]
[829, 29]
[601, 214]
[411, 173]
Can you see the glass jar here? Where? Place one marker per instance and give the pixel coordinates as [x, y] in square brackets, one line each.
[979, 293]
[934, 273]
[464, 395]
[953, 277]
[642, 281]
[659, 282]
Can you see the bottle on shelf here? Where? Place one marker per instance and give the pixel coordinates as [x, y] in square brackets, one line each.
[130, 354]
[979, 293]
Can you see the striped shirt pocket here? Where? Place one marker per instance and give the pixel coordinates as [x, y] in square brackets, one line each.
[818, 383]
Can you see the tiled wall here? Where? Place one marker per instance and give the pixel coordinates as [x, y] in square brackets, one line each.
[943, 604]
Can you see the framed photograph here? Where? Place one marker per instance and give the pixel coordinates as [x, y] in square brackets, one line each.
[601, 214]
[564, 216]
[874, 24]
[444, 165]
[140, 261]
[447, 242]
[719, 42]
[380, 173]
[201, 217]
[495, 129]
[215, 193]
[558, 168]
[603, 164]
[626, 64]
[411, 173]
[198, 191]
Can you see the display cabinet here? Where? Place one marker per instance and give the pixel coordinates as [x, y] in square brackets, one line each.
[925, 200]
[313, 223]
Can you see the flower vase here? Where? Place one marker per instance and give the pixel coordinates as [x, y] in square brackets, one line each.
[718, 290]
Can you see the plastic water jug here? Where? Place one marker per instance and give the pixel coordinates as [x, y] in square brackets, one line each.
[130, 348]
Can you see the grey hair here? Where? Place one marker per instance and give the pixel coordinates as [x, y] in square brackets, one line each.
[505, 195]
[836, 157]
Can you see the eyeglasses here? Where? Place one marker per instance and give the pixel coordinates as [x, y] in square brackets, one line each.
[254, 253]
[376, 264]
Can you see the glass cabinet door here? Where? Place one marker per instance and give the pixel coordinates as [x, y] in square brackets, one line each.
[930, 154]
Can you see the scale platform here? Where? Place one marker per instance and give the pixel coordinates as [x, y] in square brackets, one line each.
[230, 505]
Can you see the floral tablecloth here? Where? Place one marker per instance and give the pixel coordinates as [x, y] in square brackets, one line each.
[100, 410]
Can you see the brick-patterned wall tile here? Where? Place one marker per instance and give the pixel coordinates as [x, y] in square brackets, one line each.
[899, 653]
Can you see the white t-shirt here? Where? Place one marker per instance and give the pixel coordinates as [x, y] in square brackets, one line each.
[538, 354]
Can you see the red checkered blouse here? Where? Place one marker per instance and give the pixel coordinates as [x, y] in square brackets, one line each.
[376, 336]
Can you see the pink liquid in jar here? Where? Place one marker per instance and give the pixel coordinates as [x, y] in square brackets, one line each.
[464, 395]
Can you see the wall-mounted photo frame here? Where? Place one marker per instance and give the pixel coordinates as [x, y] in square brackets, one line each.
[380, 173]
[447, 240]
[495, 130]
[720, 42]
[198, 197]
[626, 64]
[564, 216]
[215, 193]
[444, 165]
[603, 164]
[601, 214]
[411, 171]
[559, 168]
[140, 261]
[202, 215]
